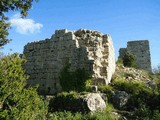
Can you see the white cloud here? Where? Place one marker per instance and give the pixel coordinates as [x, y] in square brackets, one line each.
[25, 26]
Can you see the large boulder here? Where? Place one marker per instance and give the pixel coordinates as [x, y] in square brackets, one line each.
[93, 102]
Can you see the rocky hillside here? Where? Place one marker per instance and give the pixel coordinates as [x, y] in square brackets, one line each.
[132, 95]
[131, 74]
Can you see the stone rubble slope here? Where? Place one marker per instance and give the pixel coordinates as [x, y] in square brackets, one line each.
[131, 74]
[134, 75]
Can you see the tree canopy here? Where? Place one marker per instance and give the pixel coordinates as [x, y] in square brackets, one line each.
[11, 5]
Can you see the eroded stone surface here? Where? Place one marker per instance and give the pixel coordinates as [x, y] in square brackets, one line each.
[83, 48]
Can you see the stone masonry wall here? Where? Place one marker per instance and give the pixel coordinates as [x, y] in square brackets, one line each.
[142, 52]
[83, 48]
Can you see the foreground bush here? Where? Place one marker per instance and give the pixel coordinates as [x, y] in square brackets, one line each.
[17, 101]
[66, 101]
[67, 115]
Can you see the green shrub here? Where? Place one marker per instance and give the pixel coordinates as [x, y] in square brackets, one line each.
[17, 101]
[108, 90]
[88, 85]
[132, 87]
[143, 112]
[69, 101]
[99, 116]
[73, 81]
[156, 115]
[139, 93]
[66, 115]
[105, 115]
[129, 60]
[119, 62]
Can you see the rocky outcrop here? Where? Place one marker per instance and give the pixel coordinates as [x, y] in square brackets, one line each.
[83, 48]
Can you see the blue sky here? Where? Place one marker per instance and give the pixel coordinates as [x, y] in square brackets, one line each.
[124, 20]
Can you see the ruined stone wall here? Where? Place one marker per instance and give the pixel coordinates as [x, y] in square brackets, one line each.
[142, 52]
[86, 49]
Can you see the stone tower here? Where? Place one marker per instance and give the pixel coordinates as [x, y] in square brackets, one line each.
[83, 48]
[141, 50]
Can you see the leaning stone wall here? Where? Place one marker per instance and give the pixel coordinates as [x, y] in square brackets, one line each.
[142, 52]
[86, 49]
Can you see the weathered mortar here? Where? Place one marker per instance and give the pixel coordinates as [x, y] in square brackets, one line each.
[142, 52]
[86, 49]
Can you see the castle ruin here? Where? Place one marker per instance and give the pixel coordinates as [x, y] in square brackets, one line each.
[141, 50]
[83, 48]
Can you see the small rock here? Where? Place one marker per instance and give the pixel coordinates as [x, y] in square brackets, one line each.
[120, 98]
[151, 84]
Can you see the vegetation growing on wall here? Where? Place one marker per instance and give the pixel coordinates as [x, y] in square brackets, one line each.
[75, 81]
[129, 60]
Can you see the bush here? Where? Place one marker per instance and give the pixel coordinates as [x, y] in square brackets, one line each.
[156, 115]
[66, 101]
[138, 91]
[129, 60]
[132, 87]
[119, 62]
[73, 81]
[17, 101]
[66, 115]
[99, 116]
[108, 90]
[144, 113]
[143, 100]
